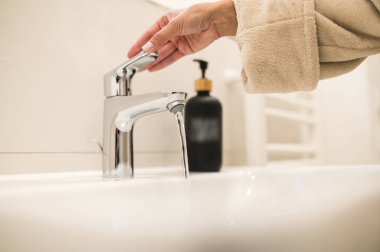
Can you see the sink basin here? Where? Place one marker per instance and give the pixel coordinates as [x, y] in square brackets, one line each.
[240, 209]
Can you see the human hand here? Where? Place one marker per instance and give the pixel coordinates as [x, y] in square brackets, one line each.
[183, 32]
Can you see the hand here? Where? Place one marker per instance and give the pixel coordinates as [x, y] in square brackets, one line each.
[187, 31]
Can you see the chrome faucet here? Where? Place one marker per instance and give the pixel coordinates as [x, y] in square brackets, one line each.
[122, 110]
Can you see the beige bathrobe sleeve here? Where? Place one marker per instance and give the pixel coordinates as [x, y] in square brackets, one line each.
[289, 45]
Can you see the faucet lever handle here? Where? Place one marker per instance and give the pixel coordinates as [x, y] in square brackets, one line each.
[118, 81]
[138, 63]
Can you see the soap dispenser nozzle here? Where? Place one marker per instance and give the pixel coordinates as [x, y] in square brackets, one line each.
[203, 66]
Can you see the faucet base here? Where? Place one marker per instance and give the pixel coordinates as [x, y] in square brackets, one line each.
[120, 163]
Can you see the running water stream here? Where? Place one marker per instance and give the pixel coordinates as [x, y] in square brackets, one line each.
[181, 126]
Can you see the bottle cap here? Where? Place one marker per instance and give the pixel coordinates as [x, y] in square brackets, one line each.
[203, 85]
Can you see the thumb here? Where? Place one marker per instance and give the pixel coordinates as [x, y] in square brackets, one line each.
[161, 38]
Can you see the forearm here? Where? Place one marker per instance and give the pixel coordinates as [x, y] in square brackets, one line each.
[224, 18]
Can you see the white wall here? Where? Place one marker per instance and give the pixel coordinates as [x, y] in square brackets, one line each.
[175, 4]
[53, 55]
[374, 96]
[348, 117]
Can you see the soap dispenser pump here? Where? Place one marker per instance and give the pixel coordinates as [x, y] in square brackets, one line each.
[203, 123]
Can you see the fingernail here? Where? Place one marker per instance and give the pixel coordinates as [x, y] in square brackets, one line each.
[147, 46]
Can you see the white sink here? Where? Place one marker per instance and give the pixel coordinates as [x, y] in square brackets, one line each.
[241, 209]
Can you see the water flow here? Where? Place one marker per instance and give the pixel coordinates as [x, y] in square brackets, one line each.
[181, 126]
[187, 186]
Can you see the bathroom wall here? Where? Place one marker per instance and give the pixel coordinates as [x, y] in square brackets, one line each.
[175, 4]
[53, 55]
[349, 116]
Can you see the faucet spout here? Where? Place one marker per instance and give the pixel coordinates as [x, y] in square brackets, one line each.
[159, 102]
[120, 115]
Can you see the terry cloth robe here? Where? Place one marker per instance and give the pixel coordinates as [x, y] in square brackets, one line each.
[289, 45]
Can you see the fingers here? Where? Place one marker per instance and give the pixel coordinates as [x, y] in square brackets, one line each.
[155, 37]
[161, 38]
[136, 48]
[176, 55]
[165, 52]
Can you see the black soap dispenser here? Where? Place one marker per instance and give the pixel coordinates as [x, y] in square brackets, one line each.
[203, 123]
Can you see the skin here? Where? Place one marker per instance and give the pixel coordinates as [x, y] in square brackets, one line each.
[183, 32]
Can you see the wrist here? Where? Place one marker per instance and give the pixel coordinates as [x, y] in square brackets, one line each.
[224, 18]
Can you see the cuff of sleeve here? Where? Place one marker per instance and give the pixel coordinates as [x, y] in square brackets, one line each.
[278, 44]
